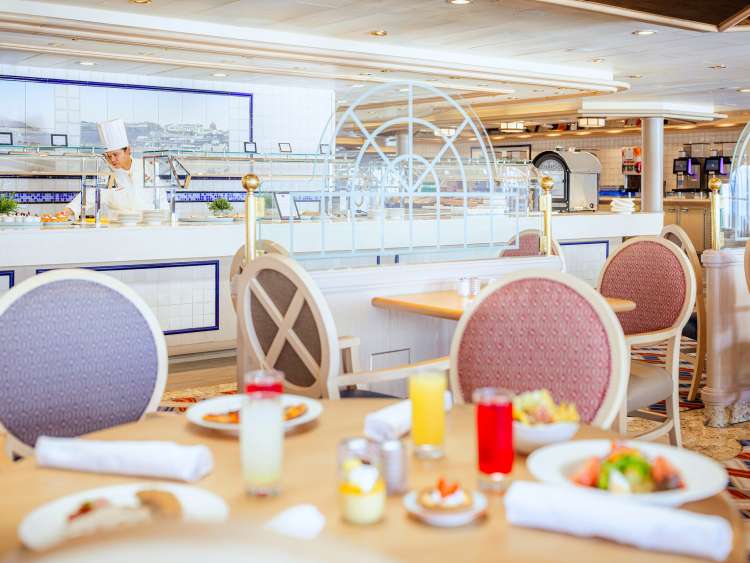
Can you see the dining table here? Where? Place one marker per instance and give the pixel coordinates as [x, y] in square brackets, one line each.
[448, 304]
[310, 476]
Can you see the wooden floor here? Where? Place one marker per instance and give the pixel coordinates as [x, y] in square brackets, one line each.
[201, 373]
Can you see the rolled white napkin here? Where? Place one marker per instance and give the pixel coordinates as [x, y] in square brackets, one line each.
[303, 521]
[589, 513]
[394, 421]
[165, 460]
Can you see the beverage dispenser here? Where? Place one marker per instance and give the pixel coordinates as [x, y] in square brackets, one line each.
[688, 172]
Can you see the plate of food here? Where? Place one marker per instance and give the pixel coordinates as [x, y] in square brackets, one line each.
[109, 508]
[223, 413]
[445, 504]
[646, 472]
[539, 421]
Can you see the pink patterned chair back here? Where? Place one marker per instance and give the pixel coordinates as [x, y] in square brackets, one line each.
[655, 274]
[528, 245]
[543, 330]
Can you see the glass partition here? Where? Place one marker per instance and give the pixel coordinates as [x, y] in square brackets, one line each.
[735, 209]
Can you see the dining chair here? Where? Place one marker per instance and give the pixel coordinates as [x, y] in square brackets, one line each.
[263, 246]
[528, 245]
[657, 275]
[543, 330]
[81, 352]
[285, 324]
[677, 235]
[747, 264]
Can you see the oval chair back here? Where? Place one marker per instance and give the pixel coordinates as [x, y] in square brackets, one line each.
[657, 275]
[238, 262]
[81, 352]
[285, 324]
[543, 330]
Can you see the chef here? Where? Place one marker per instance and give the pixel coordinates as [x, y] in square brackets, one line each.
[126, 193]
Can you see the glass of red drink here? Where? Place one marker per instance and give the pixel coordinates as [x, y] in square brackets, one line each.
[258, 381]
[494, 436]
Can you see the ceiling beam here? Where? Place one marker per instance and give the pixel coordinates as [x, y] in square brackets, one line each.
[590, 6]
[737, 18]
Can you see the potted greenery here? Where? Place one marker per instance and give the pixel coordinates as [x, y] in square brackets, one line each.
[8, 204]
[220, 207]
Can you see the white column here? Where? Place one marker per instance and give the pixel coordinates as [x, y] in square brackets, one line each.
[652, 177]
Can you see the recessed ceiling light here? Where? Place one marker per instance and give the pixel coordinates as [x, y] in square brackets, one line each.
[86, 63]
[725, 125]
[220, 74]
[432, 80]
[454, 77]
[55, 44]
[385, 70]
[358, 85]
[553, 134]
[379, 33]
[483, 85]
[459, 2]
[403, 89]
[743, 90]
[140, 1]
[644, 32]
[597, 60]
[635, 76]
[538, 90]
[365, 74]
[718, 67]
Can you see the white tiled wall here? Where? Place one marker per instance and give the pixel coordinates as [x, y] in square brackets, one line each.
[4, 283]
[608, 149]
[181, 297]
[584, 260]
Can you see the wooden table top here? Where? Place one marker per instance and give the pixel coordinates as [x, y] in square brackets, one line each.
[309, 476]
[450, 305]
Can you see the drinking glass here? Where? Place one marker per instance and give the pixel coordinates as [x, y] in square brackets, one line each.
[494, 436]
[264, 380]
[262, 434]
[427, 394]
[362, 489]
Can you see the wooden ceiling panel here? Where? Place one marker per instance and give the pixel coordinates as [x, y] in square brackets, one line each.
[712, 12]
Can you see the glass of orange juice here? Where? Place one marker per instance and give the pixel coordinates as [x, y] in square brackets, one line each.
[427, 394]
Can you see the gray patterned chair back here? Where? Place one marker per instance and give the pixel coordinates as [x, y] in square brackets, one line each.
[81, 352]
[285, 324]
[238, 262]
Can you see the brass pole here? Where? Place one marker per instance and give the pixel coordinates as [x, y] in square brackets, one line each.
[547, 184]
[714, 184]
[250, 183]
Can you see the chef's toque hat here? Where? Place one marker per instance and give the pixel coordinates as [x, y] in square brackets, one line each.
[113, 134]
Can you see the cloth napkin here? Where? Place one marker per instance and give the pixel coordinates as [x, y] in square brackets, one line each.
[165, 460]
[303, 521]
[589, 513]
[394, 421]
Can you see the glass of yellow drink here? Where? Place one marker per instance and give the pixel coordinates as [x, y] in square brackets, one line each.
[427, 394]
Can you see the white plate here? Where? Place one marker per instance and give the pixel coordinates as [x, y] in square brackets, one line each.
[228, 403]
[445, 519]
[527, 438]
[207, 219]
[703, 477]
[45, 526]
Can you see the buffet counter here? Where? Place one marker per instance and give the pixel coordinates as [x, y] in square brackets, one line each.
[182, 271]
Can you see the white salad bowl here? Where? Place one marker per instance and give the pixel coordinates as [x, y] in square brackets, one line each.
[527, 438]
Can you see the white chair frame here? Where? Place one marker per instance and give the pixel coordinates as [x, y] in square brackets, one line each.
[13, 445]
[618, 380]
[348, 346]
[700, 304]
[747, 264]
[671, 335]
[306, 291]
[556, 248]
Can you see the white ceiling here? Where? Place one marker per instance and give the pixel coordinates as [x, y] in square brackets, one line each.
[674, 63]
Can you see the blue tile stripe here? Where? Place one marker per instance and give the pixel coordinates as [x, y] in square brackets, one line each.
[11, 275]
[213, 263]
[67, 197]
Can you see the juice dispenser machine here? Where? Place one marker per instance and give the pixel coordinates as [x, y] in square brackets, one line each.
[688, 171]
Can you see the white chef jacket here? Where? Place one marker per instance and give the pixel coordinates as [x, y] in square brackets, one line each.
[127, 193]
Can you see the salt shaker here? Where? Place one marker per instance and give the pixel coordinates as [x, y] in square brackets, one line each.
[393, 456]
